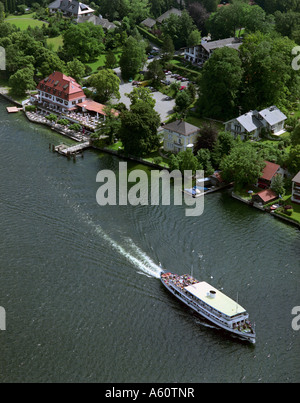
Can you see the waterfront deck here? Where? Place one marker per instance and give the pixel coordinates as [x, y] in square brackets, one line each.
[72, 150]
[13, 109]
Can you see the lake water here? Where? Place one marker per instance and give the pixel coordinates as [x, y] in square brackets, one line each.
[80, 283]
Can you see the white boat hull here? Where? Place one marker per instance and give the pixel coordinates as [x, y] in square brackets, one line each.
[248, 336]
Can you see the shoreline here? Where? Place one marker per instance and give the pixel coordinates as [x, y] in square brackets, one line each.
[75, 137]
[264, 210]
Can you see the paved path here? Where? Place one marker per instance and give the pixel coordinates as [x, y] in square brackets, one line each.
[164, 108]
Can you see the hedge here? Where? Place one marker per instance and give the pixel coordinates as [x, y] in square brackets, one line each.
[150, 36]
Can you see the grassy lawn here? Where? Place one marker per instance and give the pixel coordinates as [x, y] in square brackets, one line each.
[55, 43]
[23, 21]
[101, 60]
[243, 192]
[296, 210]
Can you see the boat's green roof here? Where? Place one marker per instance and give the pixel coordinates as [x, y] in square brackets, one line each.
[220, 302]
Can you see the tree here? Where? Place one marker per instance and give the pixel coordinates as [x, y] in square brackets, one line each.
[220, 82]
[83, 41]
[133, 58]
[138, 131]
[293, 161]
[2, 12]
[208, 135]
[222, 147]
[106, 83]
[111, 126]
[76, 69]
[155, 72]
[268, 77]
[295, 135]
[138, 11]
[141, 94]
[242, 166]
[225, 22]
[199, 14]
[167, 50]
[278, 185]
[178, 28]
[110, 60]
[182, 102]
[184, 161]
[47, 62]
[204, 159]
[194, 38]
[22, 80]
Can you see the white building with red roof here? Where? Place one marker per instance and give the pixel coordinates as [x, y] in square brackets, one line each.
[59, 92]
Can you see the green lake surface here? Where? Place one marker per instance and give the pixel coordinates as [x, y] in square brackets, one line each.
[80, 283]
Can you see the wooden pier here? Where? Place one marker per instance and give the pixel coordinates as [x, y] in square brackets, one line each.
[13, 109]
[72, 150]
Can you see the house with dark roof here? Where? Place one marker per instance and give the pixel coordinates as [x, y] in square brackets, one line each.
[199, 54]
[96, 20]
[70, 8]
[179, 136]
[150, 22]
[268, 174]
[250, 124]
[296, 188]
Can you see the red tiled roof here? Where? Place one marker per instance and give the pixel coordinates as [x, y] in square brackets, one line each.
[62, 86]
[267, 195]
[269, 170]
[93, 106]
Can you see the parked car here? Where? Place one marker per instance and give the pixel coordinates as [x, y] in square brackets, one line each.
[184, 79]
[168, 98]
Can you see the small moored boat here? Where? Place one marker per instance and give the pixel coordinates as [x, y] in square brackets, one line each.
[210, 303]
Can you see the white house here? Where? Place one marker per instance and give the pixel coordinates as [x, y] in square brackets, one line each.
[71, 8]
[296, 188]
[179, 135]
[198, 54]
[251, 123]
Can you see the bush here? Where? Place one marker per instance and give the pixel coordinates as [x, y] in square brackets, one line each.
[75, 126]
[51, 117]
[63, 122]
[288, 212]
[30, 108]
[157, 160]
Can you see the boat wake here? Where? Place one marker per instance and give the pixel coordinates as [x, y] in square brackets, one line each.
[138, 258]
[131, 251]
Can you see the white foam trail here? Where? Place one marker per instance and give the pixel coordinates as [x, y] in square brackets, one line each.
[143, 262]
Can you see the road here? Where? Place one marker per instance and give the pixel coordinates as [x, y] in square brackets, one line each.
[164, 108]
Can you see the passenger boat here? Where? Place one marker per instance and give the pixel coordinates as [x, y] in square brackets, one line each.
[210, 303]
